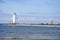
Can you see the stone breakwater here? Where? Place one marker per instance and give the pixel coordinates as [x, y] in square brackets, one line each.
[33, 25]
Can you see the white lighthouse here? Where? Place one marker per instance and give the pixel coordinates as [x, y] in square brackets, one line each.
[14, 18]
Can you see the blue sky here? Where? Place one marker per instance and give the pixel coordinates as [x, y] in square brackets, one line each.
[30, 11]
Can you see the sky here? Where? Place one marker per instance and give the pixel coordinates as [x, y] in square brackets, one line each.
[30, 11]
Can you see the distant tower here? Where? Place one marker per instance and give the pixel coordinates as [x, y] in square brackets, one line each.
[14, 18]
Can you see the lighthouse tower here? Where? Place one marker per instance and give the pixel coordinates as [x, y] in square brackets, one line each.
[14, 18]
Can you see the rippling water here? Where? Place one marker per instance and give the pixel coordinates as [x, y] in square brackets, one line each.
[29, 33]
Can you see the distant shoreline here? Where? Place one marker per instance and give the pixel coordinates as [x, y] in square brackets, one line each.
[33, 25]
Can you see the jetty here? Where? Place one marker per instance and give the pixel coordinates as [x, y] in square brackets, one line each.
[49, 25]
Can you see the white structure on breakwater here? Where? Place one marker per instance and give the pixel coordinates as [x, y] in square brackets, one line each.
[14, 18]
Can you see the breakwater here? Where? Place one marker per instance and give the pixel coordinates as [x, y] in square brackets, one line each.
[33, 25]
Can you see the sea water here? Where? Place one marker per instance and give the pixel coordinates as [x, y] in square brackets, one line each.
[29, 33]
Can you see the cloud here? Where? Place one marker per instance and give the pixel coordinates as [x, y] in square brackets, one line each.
[28, 18]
